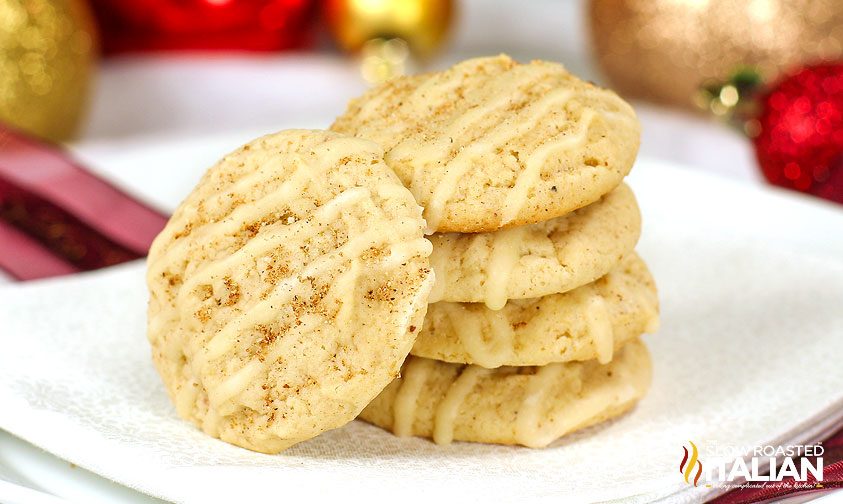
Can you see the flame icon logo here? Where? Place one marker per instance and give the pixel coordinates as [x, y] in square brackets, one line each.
[689, 463]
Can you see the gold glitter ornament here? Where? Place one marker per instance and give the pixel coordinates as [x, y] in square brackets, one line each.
[388, 33]
[664, 50]
[47, 53]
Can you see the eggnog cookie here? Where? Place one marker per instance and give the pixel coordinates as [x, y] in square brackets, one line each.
[530, 406]
[538, 259]
[492, 143]
[287, 289]
[590, 322]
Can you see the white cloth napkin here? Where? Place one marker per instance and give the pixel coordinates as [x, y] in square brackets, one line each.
[751, 283]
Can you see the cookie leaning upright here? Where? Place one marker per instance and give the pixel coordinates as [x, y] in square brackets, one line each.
[287, 289]
[491, 143]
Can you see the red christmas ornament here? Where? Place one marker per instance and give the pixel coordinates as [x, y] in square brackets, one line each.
[799, 144]
[155, 25]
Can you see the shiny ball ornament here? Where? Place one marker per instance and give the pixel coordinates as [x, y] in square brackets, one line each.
[204, 25]
[47, 55]
[663, 50]
[388, 33]
[799, 132]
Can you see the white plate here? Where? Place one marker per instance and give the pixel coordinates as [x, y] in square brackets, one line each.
[751, 282]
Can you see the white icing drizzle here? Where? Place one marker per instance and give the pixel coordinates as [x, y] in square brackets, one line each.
[503, 336]
[598, 323]
[309, 324]
[211, 422]
[439, 265]
[524, 121]
[431, 88]
[517, 197]
[400, 253]
[583, 410]
[235, 383]
[415, 374]
[462, 125]
[453, 172]
[258, 177]
[598, 393]
[444, 143]
[330, 152]
[468, 327]
[244, 213]
[502, 260]
[270, 168]
[264, 310]
[302, 229]
[343, 291]
[446, 412]
[529, 412]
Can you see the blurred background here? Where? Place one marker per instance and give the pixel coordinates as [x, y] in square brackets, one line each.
[748, 89]
[117, 71]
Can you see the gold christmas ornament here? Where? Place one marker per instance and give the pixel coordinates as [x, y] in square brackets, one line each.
[383, 59]
[387, 33]
[664, 50]
[47, 52]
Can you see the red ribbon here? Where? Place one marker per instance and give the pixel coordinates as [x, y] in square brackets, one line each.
[771, 491]
[58, 218]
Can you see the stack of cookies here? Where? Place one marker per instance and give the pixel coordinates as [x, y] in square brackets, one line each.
[454, 260]
[539, 299]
